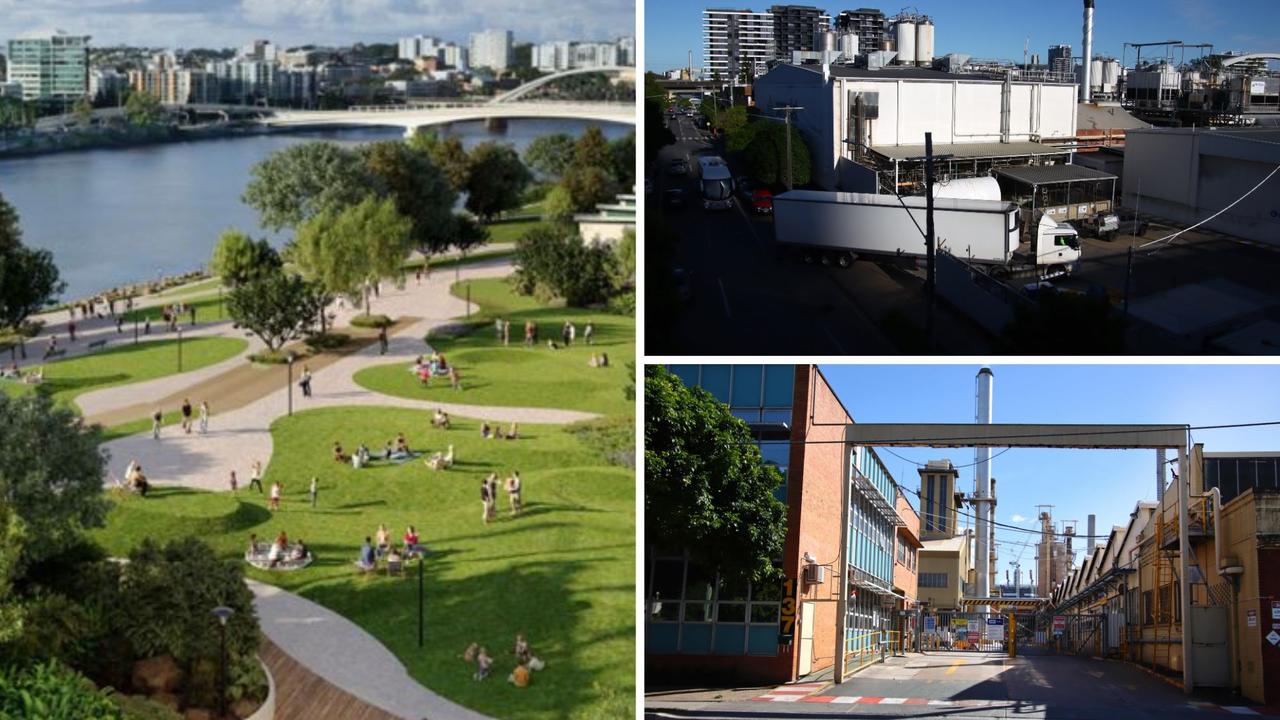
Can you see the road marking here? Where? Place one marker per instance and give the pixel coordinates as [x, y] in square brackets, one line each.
[847, 699]
[953, 667]
[725, 298]
[893, 701]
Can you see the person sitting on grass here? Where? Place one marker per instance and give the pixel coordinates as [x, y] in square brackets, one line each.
[521, 650]
[34, 378]
[440, 419]
[275, 554]
[402, 445]
[551, 344]
[394, 560]
[255, 547]
[367, 560]
[338, 455]
[411, 544]
[11, 372]
[593, 361]
[384, 539]
[513, 433]
[483, 664]
[604, 359]
[485, 431]
[299, 552]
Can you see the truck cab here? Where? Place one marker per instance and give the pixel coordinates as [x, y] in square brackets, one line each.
[715, 183]
[1055, 243]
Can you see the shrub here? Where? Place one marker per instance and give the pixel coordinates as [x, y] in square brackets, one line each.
[276, 357]
[328, 341]
[371, 321]
[624, 304]
[52, 690]
[555, 259]
[138, 707]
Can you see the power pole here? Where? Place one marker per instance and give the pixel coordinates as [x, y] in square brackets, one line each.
[930, 264]
[787, 110]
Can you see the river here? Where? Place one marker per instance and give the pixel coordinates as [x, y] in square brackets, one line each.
[118, 216]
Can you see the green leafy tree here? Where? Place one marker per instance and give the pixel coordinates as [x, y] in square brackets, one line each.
[656, 133]
[588, 186]
[345, 249]
[11, 537]
[625, 252]
[278, 307]
[766, 155]
[654, 93]
[296, 183]
[237, 258]
[549, 155]
[51, 474]
[83, 111]
[497, 179]
[468, 233]
[29, 279]
[558, 206]
[448, 154]
[421, 190]
[705, 487]
[52, 690]
[143, 108]
[736, 127]
[592, 150]
[555, 258]
[624, 160]
[10, 228]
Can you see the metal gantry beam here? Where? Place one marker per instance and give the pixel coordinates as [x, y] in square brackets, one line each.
[946, 435]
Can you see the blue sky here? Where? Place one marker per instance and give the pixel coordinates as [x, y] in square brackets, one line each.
[232, 23]
[1076, 482]
[997, 28]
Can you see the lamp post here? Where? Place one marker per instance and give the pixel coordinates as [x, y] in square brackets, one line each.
[289, 363]
[223, 613]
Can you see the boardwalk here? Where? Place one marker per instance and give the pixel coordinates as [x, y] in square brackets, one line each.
[303, 695]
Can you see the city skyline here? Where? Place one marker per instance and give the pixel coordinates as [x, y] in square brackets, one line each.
[674, 28]
[232, 23]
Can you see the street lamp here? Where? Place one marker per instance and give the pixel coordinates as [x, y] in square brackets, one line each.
[289, 362]
[223, 613]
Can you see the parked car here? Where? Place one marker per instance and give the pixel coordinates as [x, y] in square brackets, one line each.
[744, 186]
[1131, 224]
[762, 201]
[673, 199]
[754, 195]
[679, 166]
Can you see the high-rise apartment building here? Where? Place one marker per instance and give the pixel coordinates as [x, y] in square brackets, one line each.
[456, 56]
[867, 23]
[491, 49]
[737, 44]
[1060, 59]
[50, 65]
[794, 27]
[412, 48]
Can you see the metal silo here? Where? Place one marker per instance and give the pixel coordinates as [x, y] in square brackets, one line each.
[824, 41]
[849, 45]
[1095, 75]
[1110, 74]
[924, 42]
[905, 31]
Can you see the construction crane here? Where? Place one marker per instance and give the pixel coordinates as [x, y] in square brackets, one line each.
[1124, 49]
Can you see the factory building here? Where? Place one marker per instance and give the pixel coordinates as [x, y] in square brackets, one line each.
[866, 127]
[1188, 174]
[850, 537]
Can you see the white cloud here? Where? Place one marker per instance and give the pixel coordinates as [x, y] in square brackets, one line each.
[1018, 518]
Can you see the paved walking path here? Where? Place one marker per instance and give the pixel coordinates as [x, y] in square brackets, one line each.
[337, 650]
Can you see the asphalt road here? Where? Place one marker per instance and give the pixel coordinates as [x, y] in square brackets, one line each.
[750, 299]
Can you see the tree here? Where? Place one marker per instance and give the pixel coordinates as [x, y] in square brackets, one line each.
[11, 537]
[705, 487]
[448, 154]
[238, 259]
[625, 253]
[421, 191]
[294, 184]
[656, 133]
[738, 131]
[558, 206]
[278, 307]
[496, 181]
[588, 186]
[10, 229]
[344, 249]
[592, 150]
[51, 474]
[468, 232]
[143, 108]
[549, 155]
[28, 281]
[555, 259]
[766, 155]
[624, 160]
[83, 111]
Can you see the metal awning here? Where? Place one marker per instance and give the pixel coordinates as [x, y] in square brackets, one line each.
[860, 578]
[969, 151]
[1112, 576]
[1035, 175]
[878, 501]
[1032, 603]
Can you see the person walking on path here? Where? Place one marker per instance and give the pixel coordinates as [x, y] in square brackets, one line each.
[315, 489]
[156, 417]
[186, 416]
[146, 327]
[564, 333]
[273, 502]
[497, 328]
[382, 340]
[71, 330]
[235, 484]
[589, 332]
[305, 382]
[255, 475]
[204, 416]
[119, 324]
[193, 314]
[485, 500]
[53, 347]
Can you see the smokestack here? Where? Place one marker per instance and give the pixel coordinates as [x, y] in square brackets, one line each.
[1085, 94]
[982, 493]
[1160, 466]
[1093, 522]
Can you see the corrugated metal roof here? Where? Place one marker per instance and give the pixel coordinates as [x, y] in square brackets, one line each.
[1106, 117]
[951, 544]
[970, 150]
[1051, 174]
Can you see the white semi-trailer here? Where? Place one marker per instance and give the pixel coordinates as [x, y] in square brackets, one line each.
[832, 227]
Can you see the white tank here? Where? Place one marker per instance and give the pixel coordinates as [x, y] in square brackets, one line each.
[1110, 73]
[906, 34]
[1095, 73]
[924, 43]
[849, 45]
[824, 41]
[980, 188]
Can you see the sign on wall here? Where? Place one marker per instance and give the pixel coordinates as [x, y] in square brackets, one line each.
[1275, 610]
[1059, 624]
[787, 620]
[1257, 87]
[1252, 618]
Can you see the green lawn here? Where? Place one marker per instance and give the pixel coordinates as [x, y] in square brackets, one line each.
[563, 572]
[520, 376]
[127, 363]
[209, 307]
[195, 288]
[509, 232]
[450, 262]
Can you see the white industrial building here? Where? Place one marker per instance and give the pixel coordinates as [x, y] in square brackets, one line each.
[1188, 174]
[866, 128]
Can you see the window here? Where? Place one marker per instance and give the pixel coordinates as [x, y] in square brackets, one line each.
[933, 580]
[1148, 608]
[746, 386]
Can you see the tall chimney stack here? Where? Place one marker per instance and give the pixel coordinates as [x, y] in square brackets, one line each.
[1087, 61]
[982, 491]
[1093, 524]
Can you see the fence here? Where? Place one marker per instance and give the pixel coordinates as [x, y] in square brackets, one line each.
[952, 631]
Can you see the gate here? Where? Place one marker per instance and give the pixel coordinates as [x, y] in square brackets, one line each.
[1082, 634]
[962, 631]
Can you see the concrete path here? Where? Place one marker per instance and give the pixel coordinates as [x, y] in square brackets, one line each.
[239, 437]
[339, 651]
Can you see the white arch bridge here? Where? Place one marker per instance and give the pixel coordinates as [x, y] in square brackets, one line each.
[506, 106]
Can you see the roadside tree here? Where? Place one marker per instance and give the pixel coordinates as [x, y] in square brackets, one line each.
[278, 307]
[142, 109]
[766, 154]
[237, 258]
[656, 133]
